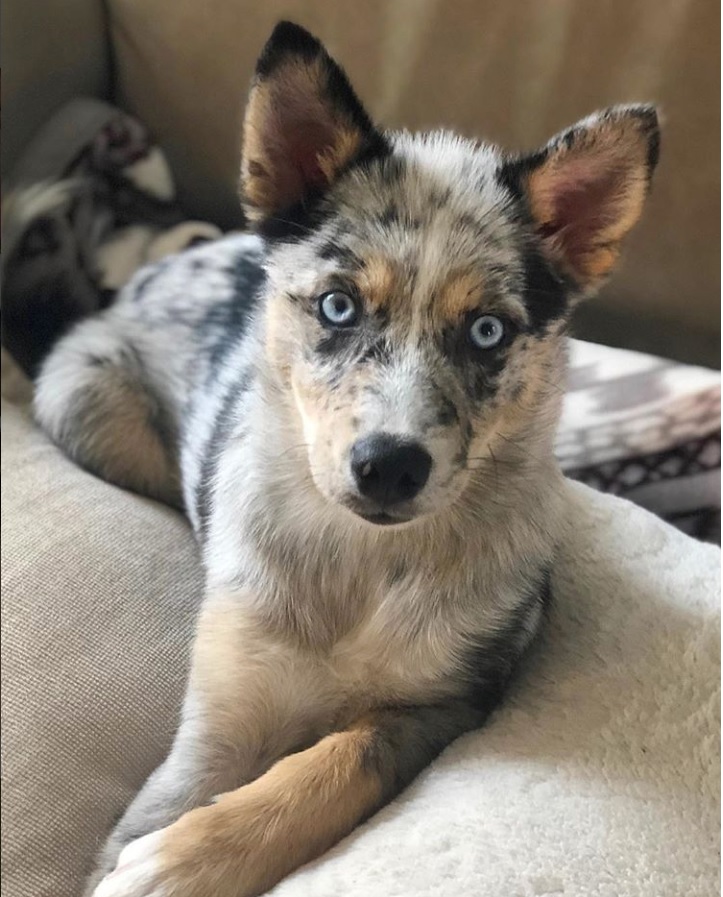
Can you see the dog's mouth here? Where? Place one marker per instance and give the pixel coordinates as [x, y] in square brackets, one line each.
[381, 518]
[378, 516]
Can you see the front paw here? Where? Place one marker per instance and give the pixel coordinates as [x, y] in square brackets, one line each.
[138, 872]
[208, 852]
[245, 842]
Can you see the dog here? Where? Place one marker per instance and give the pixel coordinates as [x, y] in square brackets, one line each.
[355, 403]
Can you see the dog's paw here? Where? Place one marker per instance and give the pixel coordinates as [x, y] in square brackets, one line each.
[237, 847]
[202, 854]
[138, 872]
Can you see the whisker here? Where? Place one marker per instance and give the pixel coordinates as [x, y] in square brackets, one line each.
[521, 448]
[300, 227]
[555, 386]
[494, 461]
[504, 462]
[291, 448]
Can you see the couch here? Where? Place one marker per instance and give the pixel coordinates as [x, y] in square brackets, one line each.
[599, 776]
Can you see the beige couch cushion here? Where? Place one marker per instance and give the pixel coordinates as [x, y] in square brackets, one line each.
[599, 777]
[99, 590]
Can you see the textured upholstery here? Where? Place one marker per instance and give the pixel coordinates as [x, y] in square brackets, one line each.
[99, 591]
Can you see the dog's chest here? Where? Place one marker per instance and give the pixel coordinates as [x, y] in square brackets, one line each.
[400, 648]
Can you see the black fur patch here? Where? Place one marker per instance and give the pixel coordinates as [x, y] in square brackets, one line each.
[447, 412]
[406, 739]
[335, 341]
[379, 351]
[392, 169]
[287, 39]
[222, 427]
[546, 294]
[161, 422]
[226, 321]
[145, 281]
[390, 215]
[651, 128]
[296, 222]
[393, 216]
[338, 253]
[547, 291]
[491, 664]
[399, 571]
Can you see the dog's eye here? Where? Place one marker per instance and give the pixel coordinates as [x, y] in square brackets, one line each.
[337, 309]
[486, 332]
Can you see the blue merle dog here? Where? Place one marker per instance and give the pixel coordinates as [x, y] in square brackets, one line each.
[355, 405]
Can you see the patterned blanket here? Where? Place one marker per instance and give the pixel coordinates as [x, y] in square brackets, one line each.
[93, 199]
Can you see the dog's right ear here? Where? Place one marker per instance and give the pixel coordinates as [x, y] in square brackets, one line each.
[303, 125]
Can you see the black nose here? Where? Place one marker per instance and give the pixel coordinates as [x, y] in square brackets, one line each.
[389, 470]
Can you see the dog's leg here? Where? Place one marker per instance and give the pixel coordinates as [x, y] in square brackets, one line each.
[252, 837]
[95, 399]
[251, 699]
[195, 770]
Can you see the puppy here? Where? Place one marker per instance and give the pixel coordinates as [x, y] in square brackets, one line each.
[356, 408]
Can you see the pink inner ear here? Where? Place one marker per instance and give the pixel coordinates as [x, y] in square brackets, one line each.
[299, 127]
[293, 157]
[306, 142]
[581, 199]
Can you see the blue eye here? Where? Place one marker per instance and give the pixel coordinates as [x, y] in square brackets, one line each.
[486, 332]
[338, 309]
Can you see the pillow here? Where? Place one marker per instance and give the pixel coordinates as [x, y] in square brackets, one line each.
[599, 776]
[645, 428]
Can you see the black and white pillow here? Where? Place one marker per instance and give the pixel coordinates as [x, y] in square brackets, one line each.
[647, 429]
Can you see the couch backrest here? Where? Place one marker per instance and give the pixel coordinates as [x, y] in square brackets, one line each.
[513, 71]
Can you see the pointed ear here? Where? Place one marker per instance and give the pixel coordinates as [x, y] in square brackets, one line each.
[303, 124]
[586, 188]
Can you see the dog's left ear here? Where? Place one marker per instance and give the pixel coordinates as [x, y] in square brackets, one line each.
[586, 189]
[303, 124]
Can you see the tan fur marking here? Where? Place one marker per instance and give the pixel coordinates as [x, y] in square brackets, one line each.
[379, 282]
[124, 448]
[257, 180]
[242, 674]
[345, 147]
[253, 837]
[382, 284]
[461, 294]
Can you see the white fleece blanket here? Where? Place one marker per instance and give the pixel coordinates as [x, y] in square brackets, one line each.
[600, 775]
